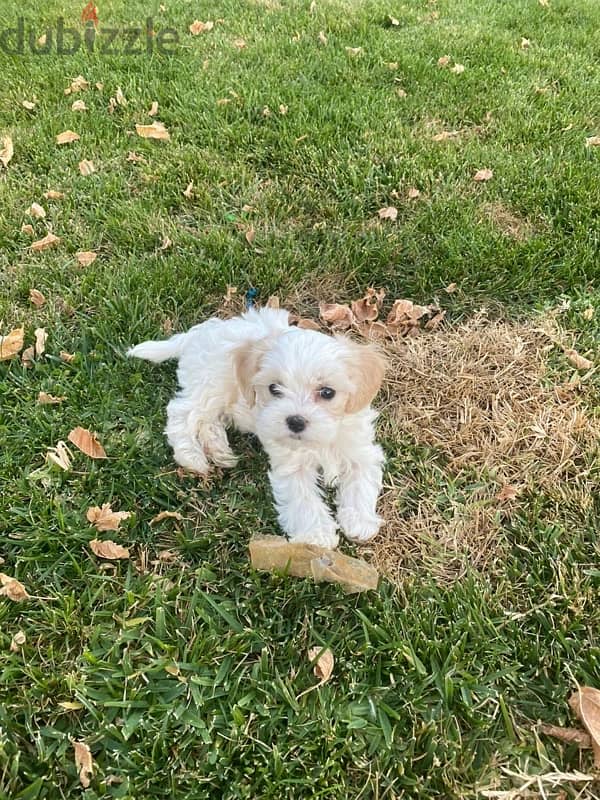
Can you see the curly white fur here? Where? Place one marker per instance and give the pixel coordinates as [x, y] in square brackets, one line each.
[257, 373]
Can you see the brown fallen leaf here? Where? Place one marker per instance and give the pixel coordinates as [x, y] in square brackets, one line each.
[250, 235]
[239, 43]
[375, 331]
[483, 175]
[12, 588]
[323, 667]
[153, 111]
[388, 212]
[36, 211]
[308, 324]
[458, 69]
[28, 104]
[435, 322]
[508, 492]
[79, 105]
[11, 344]
[592, 141]
[230, 295]
[413, 193]
[87, 442]
[60, 455]
[568, 735]
[28, 357]
[578, 361]
[84, 763]
[406, 313]
[45, 399]
[66, 357]
[189, 190]
[86, 167]
[336, 315]
[42, 40]
[367, 308]
[41, 338]
[120, 98]
[111, 551]
[223, 101]
[585, 704]
[78, 84]
[443, 61]
[28, 229]
[66, 137]
[17, 641]
[155, 131]
[86, 257]
[451, 288]
[7, 150]
[135, 157]
[105, 519]
[273, 302]
[52, 194]
[37, 298]
[197, 27]
[50, 240]
[166, 515]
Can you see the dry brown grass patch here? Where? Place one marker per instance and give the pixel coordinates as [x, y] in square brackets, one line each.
[509, 223]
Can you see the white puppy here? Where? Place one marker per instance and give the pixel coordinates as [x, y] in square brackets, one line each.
[305, 395]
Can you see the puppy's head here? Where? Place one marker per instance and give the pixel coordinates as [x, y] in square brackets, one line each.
[304, 383]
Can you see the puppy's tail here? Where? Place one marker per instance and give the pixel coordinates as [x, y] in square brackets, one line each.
[159, 351]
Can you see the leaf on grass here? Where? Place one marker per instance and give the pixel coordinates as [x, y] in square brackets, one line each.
[66, 357]
[585, 703]
[578, 361]
[111, 551]
[483, 175]
[388, 212]
[86, 257]
[69, 705]
[66, 137]
[458, 69]
[41, 337]
[197, 27]
[135, 157]
[37, 298]
[189, 190]
[444, 136]
[451, 288]
[250, 235]
[323, 667]
[166, 515]
[120, 98]
[83, 763]
[273, 302]
[11, 344]
[86, 167]
[87, 442]
[12, 588]
[354, 51]
[567, 735]
[435, 322]
[336, 315]
[52, 194]
[105, 519]
[588, 314]
[239, 43]
[17, 641]
[27, 357]
[50, 240]
[153, 109]
[37, 211]
[78, 84]
[443, 61]
[79, 105]
[525, 43]
[28, 229]
[508, 492]
[28, 105]
[45, 399]
[367, 308]
[592, 141]
[230, 295]
[6, 150]
[155, 131]
[322, 38]
[60, 455]
[283, 109]
[413, 193]
[405, 313]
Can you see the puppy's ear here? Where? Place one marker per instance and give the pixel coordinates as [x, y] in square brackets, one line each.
[366, 366]
[246, 363]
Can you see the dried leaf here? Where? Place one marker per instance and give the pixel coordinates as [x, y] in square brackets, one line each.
[393, 21]
[308, 324]
[50, 240]
[111, 551]
[592, 141]
[41, 338]
[229, 297]
[365, 309]
[323, 667]
[86, 167]
[86, 257]
[66, 357]
[322, 38]
[83, 763]
[27, 357]
[483, 175]
[166, 515]
[17, 641]
[165, 243]
[11, 344]
[443, 61]
[413, 193]
[70, 706]
[28, 105]
[508, 492]
[60, 455]
[153, 109]
[198, 27]
[578, 361]
[525, 43]
[37, 211]
[66, 137]
[87, 442]
[189, 190]
[6, 150]
[444, 136]
[37, 298]
[78, 84]
[105, 519]
[239, 43]
[120, 98]
[135, 157]
[406, 313]
[52, 194]
[568, 735]
[354, 51]
[388, 212]
[585, 703]
[79, 105]
[28, 229]
[12, 588]
[336, 315]
[451, 288]
[45, 399]
[155, 131]
[588, 314]
[283, 109]
[457, 69]
[435, 322]
[273, 302]
[250, 235]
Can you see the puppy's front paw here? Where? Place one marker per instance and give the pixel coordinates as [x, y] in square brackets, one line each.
[324, 537]
[358, 527]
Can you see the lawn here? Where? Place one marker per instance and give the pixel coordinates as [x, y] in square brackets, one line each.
[291, 124]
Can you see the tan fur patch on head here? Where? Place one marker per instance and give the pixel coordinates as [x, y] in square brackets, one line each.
[246, 364]
[366, 367]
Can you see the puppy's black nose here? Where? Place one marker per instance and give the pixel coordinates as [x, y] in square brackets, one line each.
[296, 423]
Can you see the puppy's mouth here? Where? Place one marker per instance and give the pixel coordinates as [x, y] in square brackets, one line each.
[296, 436]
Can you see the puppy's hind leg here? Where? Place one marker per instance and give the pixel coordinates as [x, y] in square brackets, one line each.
[214, 437]
[182, 434]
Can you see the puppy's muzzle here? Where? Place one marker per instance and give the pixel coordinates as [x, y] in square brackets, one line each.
[296, 423]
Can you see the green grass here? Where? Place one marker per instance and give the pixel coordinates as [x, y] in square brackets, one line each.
[435, 688]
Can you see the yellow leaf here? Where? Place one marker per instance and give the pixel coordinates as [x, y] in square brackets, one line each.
[322, 38]
[84, 763]
[108, 550]
[12, 588]
[6, 150]
[105, 519]
[52, 194]
[155, 131]
[87, 442]
[11, 344]
[70, 706]
[66, 137]
[198, 27]
[354, 51]
[166, 515]
[120, 98]
[86, 257]
[50, 240]
[189, 190]
[458, 69]
[588, 314]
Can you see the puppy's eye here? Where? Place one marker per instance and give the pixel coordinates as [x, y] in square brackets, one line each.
[275, 390]
[327, 393]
